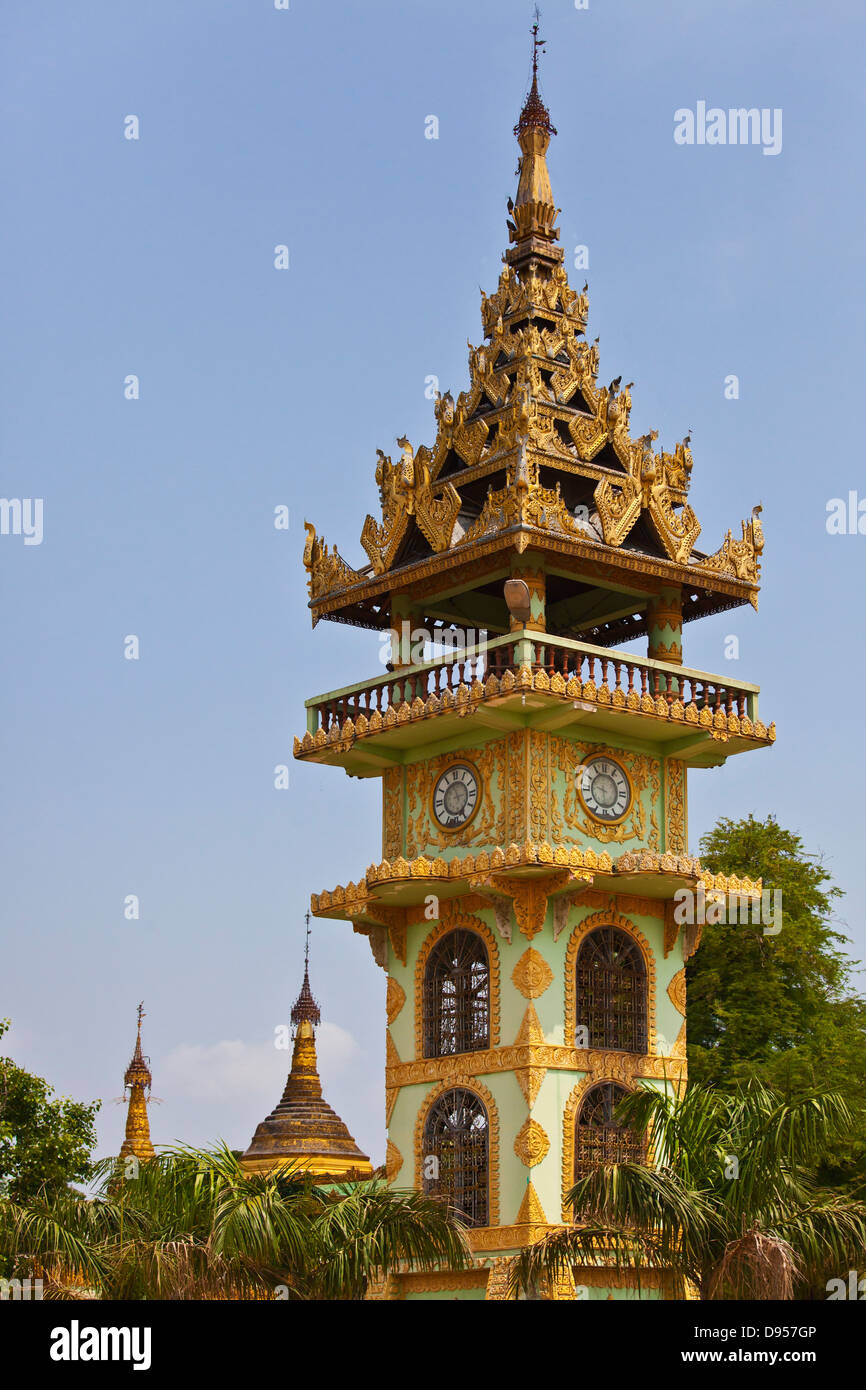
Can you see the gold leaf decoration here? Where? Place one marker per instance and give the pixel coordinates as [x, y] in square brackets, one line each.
[531, 1212]
[532, 975]
[529, 1080]
[394, 999]
[677, 992]
[393, 1161]
[531, 1144]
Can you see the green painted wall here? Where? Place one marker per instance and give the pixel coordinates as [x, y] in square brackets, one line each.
[557, 1086]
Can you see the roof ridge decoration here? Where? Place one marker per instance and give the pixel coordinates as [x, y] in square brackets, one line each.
[533, 401]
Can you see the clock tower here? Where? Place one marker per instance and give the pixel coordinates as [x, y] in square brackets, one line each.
[533, 762]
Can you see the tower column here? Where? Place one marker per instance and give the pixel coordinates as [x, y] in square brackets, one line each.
[665, 632]
[533, 576]
[404, 615]
[526, 595]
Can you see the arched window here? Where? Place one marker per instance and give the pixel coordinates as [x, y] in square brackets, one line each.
[598, 1139]
[454, 1164]
[612, 991]
[457, 996]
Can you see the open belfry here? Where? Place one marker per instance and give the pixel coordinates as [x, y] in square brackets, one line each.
[533, 772]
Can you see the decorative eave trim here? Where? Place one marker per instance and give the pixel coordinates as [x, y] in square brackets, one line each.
[354, 901]
[547, 1056]
[525, 536]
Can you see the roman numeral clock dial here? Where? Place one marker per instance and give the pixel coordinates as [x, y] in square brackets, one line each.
[604, 789]
[456, 796]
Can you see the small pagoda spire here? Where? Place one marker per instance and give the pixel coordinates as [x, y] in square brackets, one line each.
[137, 1079]
[533, 212]
[303, 1128]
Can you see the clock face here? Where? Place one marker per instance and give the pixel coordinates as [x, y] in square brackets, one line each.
[604, 789]
[456, 796]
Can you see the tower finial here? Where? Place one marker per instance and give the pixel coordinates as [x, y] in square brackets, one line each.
[305, 1008]
[533, 212]
[536, 44]
[535, 115]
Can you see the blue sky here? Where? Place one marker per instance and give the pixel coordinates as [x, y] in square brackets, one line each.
[261, 387]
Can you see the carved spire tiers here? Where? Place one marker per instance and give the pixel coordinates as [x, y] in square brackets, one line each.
[303, 1129]
[305, 1008]
[136, 1081]
[536, 455]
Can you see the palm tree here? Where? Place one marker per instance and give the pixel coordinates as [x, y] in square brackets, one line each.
[194, 1224]
[727, 1208]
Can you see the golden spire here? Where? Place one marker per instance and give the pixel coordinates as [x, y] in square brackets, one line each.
[305, 1009]
[533, 213]
[137, 1079]
[303, 1128]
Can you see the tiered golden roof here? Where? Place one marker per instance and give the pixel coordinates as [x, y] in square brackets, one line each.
[535, 454]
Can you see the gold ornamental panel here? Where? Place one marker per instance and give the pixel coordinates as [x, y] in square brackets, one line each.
[643, 773]
[532, 975]
[395, 998]
[675, 807]
[531, 1144]
[393, 1161]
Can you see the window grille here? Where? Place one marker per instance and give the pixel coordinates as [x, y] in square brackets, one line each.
[612, 991]
[457, 996]
[455, 1159]
[598, 1139]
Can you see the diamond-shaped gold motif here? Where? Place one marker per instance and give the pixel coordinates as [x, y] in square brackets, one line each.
[532, 975]
[531, 1144]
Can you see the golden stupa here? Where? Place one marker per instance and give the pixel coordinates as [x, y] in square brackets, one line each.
[137, 1080]
[303, 1128]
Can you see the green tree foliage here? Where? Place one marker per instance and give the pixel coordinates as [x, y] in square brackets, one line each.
[780, 1008]
[191, 1224]
[45, 1140]
[730, 1208]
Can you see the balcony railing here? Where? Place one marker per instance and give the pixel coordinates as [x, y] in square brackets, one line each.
[554, 655]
